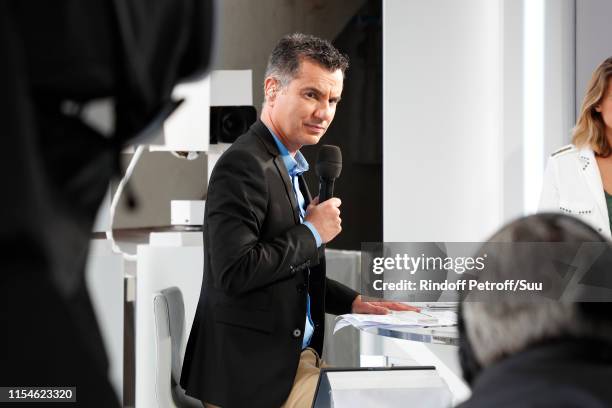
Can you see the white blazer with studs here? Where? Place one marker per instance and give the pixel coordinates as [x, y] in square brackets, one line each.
[572, 185]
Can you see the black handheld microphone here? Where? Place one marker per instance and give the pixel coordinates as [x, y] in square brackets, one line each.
[328, 168]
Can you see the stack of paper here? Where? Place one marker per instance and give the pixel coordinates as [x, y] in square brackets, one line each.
[436, 305]
[426, 318]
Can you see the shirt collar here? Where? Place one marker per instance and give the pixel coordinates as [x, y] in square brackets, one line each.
[295, 165]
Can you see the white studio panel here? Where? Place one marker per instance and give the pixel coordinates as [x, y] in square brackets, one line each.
[512, 111]
[548, 88]
[593, 45]
[454, 151]
[341, 349]
[104, 274]
[188, 127]
[231, 88]
[161, 266]
[533, 106]
[560, 71]
[442, 162]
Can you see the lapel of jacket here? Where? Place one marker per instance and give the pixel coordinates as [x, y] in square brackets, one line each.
[264, 135]
[590, 170]
[304, 189]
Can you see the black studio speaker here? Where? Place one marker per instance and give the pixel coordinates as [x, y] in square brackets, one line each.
[229, 122]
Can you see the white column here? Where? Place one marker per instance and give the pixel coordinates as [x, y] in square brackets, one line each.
[442, 150]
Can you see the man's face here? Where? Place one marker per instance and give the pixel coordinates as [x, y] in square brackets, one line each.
[301, 112]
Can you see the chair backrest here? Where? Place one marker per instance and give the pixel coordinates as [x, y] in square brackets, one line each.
[170, 322]
[176, 315]
[163, 357]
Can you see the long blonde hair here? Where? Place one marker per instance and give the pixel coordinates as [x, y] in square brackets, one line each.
[590, 128]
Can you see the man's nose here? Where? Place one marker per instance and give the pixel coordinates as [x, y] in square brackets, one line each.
[324, 111]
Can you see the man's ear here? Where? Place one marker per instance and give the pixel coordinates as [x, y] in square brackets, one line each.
[271, 86]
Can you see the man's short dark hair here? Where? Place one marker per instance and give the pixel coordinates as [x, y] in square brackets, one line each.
[284, 62]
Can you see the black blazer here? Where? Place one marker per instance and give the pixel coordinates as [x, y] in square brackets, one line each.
[259, 264]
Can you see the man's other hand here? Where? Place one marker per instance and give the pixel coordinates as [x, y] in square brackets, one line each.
[359, 306]
[325, 217]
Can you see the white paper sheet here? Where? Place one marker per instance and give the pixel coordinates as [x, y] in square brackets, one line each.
[426, 318]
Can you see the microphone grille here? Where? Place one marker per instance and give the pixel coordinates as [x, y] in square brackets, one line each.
[329, 162]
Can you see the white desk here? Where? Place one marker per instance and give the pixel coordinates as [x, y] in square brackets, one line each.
[436, 335]
[435, 346]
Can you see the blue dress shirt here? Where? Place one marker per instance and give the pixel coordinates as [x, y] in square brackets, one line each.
[295, 167]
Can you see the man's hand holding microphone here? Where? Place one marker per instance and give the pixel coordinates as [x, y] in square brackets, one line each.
[325, 217]
[324, 211]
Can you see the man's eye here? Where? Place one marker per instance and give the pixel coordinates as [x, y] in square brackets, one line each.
[311, 94]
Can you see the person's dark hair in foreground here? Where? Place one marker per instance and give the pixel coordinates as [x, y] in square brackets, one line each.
[517, 353]
[58, 59]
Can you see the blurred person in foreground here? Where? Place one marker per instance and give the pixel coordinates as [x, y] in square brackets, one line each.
[531, 353]
[61, 61]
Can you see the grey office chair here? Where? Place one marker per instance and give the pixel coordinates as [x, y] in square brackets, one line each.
[169, 323]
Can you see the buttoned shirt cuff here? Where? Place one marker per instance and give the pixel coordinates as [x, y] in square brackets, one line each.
[314, 232]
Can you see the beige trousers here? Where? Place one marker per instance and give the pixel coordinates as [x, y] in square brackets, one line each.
[305, 383]
[306, 378]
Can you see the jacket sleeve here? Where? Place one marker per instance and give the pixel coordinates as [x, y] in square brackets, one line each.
[549, 197]
[237, 204]
[338, 297]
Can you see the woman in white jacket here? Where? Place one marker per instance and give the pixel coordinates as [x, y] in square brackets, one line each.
[578, 178]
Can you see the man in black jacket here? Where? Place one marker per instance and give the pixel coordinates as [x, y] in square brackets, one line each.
[527, 352]
[259, 325]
